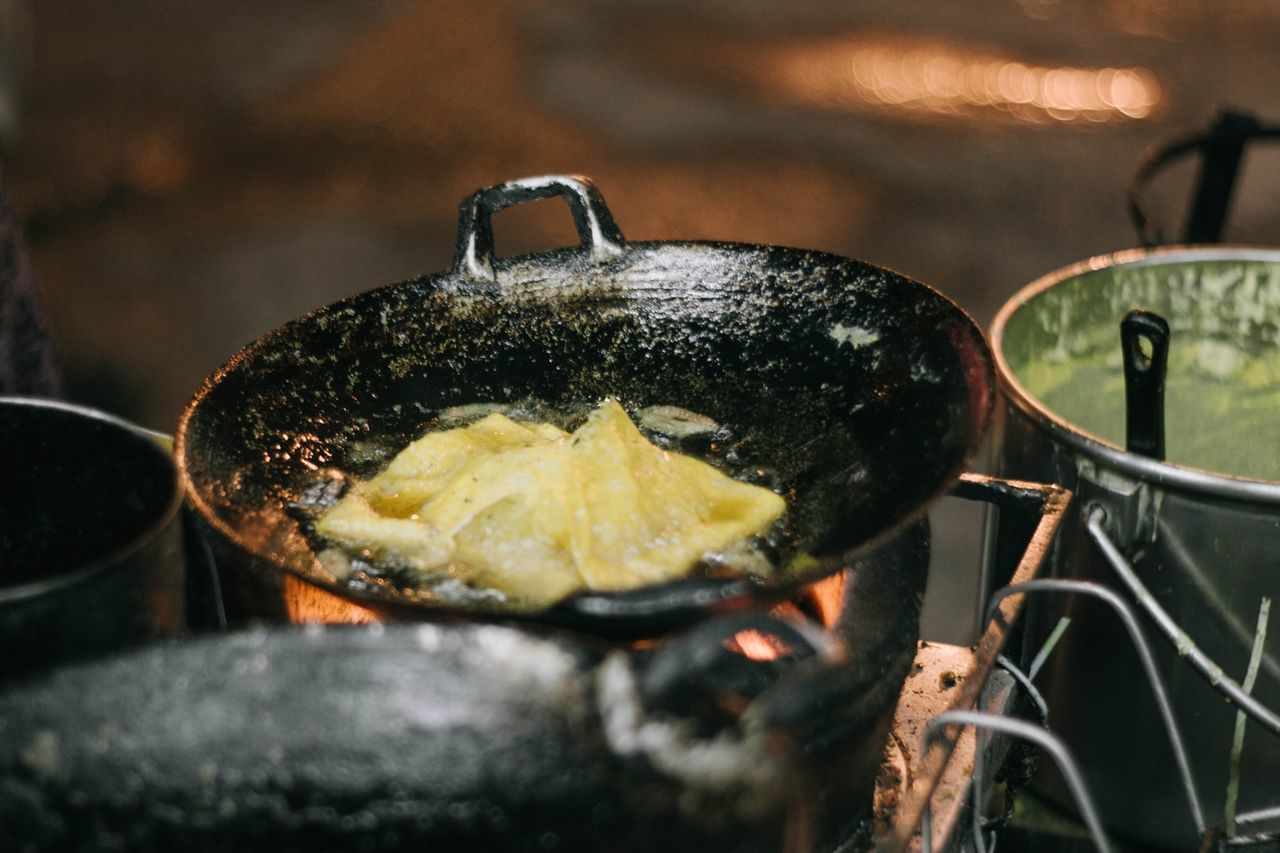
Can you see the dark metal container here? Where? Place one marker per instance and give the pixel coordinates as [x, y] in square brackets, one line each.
[1194, 548]
[90, 535]
[866, 392]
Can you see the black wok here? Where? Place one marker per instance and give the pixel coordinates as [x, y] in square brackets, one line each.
[866, 391]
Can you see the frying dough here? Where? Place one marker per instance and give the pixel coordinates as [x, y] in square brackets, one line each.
[539, 513]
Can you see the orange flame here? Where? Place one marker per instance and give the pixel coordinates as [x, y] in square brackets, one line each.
[828, 595]
[307, 603]
[757, 646]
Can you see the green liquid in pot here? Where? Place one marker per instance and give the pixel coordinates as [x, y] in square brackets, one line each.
[1226, 421]
[1222, 395]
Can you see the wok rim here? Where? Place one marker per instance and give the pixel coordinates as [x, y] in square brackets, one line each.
[1169, 475]
[600, 605]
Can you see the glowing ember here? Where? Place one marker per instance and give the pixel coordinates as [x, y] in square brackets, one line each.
[307, 603]
[758, 646]
[828, 595]
[943, 79]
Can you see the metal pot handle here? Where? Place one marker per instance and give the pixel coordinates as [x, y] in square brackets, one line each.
[473, 257]
[1221, 148]
[1261, 714]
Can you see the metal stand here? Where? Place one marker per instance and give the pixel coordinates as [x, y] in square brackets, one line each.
[942, 733]
[1050, 503]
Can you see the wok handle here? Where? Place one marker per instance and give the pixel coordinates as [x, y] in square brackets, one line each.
[600, 236]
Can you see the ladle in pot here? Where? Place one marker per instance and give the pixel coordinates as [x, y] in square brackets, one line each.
[1144, 377]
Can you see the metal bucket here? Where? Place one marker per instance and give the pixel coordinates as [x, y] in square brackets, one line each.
[1193, 541]
[91, 548]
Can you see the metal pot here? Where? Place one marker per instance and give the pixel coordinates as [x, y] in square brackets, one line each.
[90, 535]
[1193, 547]
[865, 391]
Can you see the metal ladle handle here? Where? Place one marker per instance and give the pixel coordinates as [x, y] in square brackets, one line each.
[1144, 338]
[600, 236]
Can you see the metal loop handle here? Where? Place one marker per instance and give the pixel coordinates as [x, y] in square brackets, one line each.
[1041, 738]
[1222, 148]
[1139, 640]
[1186, 647]
[600, 236]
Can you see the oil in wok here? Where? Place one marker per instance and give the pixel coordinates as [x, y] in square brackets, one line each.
[539, 513]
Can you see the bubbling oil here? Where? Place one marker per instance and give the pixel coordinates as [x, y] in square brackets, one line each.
[667, 427]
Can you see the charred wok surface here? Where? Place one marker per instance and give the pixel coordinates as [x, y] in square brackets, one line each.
[866, 391]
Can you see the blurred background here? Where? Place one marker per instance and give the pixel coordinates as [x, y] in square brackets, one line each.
[192, 174]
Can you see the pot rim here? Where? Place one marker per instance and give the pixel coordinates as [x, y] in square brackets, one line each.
[1166, 475]
[151, 440]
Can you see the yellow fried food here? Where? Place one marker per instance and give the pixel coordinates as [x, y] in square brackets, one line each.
[538, 513]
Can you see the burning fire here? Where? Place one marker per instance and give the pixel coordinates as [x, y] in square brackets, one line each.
[307, 603]
[826, 595]
[757, 646]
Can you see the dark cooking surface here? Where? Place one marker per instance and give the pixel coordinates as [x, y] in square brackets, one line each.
[479, 737]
